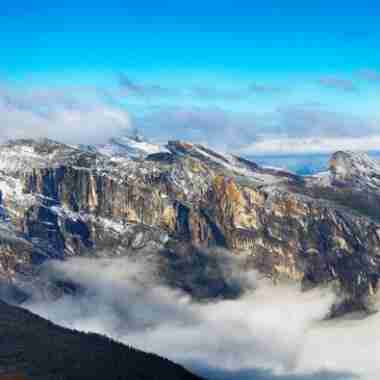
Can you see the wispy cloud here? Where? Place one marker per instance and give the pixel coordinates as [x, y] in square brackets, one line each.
[369, 75]
[134, 88]
[218, 93]
[84, 115]
[131, 87]
[302, 129]
[236, 93]
[288, 129]
[263, 88]
[212, 126]
[337, 83]
[309, 121]
[284, 145]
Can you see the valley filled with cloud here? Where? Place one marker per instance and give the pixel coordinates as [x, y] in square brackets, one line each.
[270, 332]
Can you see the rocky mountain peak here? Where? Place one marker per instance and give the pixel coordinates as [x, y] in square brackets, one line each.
[355, 169]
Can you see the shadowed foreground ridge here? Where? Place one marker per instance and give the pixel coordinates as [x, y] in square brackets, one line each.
[34, 348]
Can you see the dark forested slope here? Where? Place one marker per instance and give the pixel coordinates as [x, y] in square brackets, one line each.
[34, 348]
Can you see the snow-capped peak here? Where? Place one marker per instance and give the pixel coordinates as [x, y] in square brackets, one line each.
[346, 163]
[355, 169]
[133, 146]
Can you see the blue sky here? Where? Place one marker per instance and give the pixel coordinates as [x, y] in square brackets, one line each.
[243, 60]
[239, 38]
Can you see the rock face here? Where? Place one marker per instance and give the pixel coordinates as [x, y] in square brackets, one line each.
[59, 201]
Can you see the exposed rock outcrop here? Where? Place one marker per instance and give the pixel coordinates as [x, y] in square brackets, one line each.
[59, 201]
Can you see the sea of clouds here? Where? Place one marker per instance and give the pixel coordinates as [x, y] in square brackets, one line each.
[270, 332]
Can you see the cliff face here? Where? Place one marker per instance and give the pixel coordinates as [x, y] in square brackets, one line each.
[59, 201]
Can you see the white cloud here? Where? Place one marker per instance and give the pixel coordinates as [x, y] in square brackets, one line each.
[67, 115]
[287, 130]
[286, 145]
[270, 333]
[83, 115]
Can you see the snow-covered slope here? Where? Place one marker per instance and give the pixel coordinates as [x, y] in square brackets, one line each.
[358, 168]
[230, 163]
[18, 156]
[129, 147]
[353, 170]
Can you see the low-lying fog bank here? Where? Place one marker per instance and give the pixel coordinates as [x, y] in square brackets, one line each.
[270, 332]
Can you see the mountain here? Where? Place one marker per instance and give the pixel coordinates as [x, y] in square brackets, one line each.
[59, 201]
[128, 146]
[34, 348]
[356, 170]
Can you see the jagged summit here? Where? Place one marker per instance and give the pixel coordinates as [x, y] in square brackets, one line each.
[353, 169]
[232, 164]
[356, 169]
